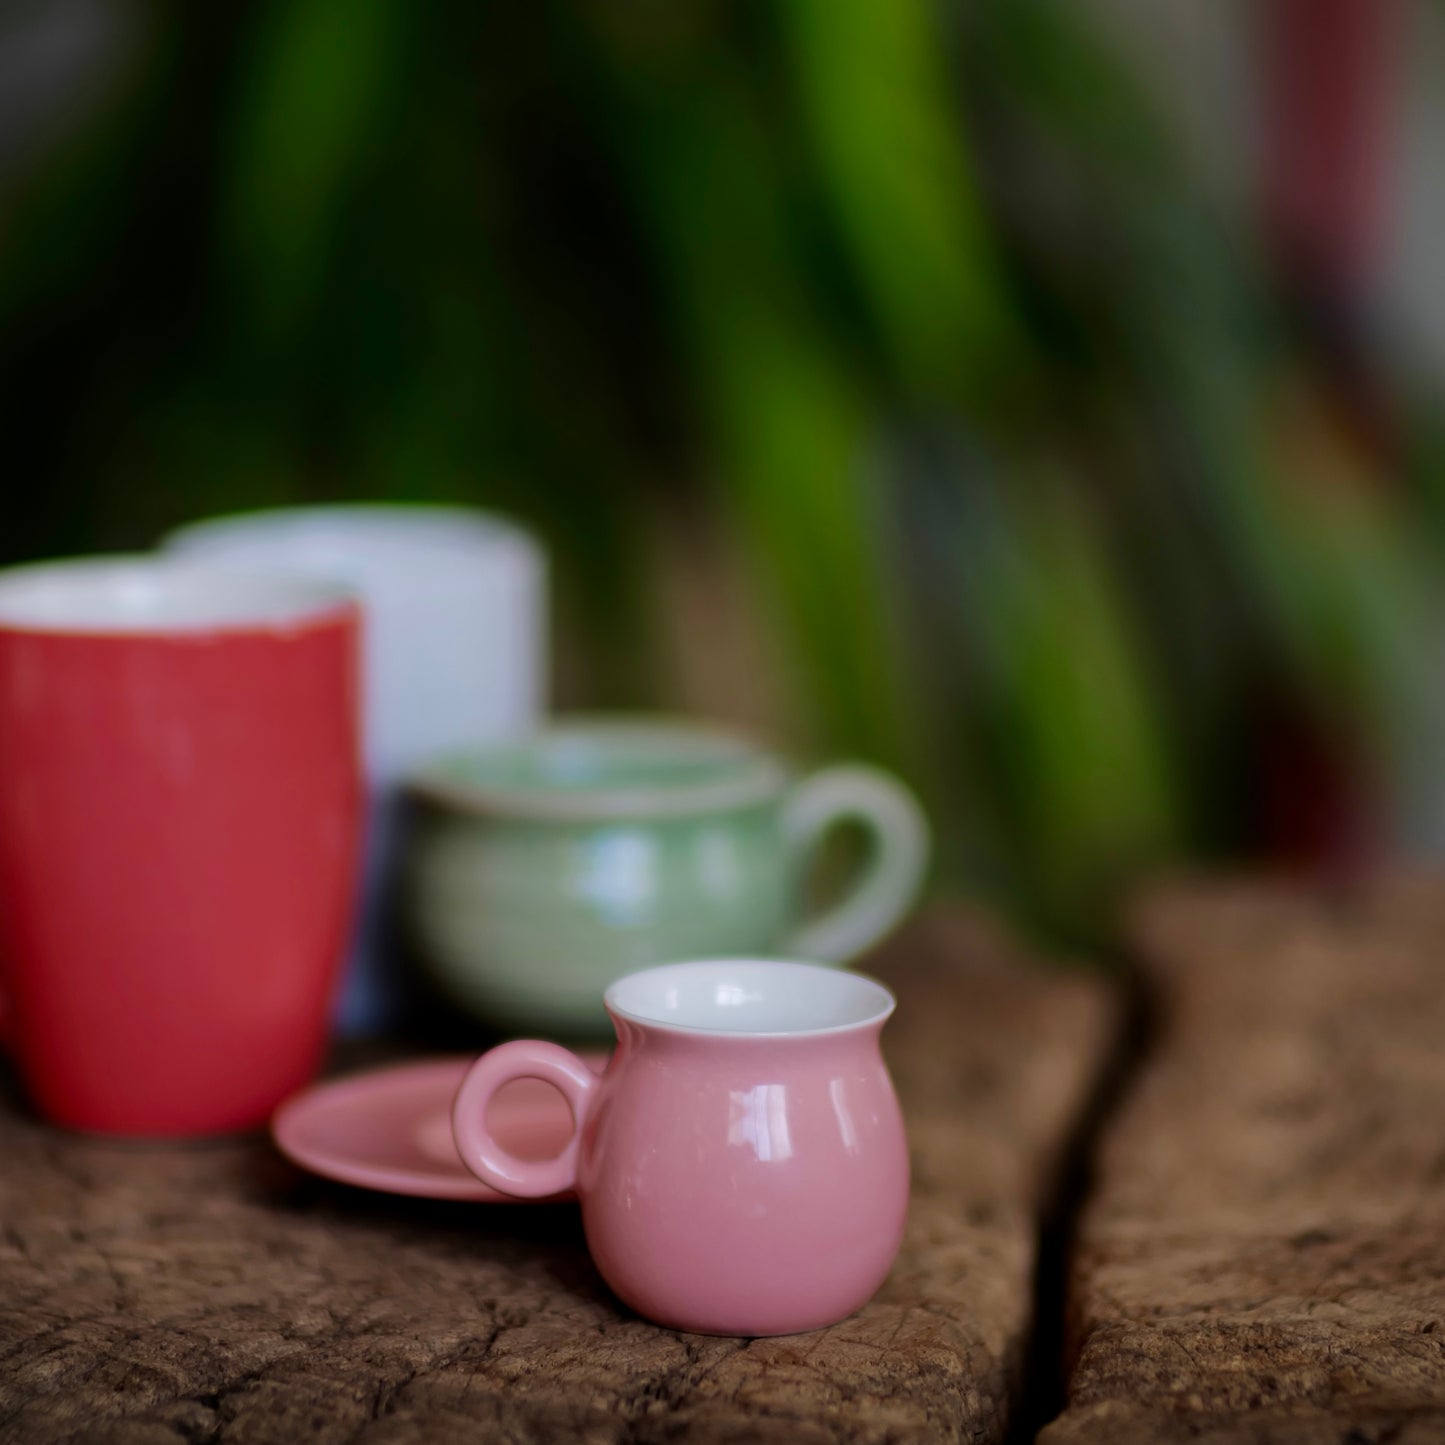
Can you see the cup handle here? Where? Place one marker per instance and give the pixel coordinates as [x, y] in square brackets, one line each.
[893, 874]
[480, 1152]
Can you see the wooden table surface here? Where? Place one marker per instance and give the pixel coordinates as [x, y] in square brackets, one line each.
[164, 1294]
[1263, 1256]
[1226, 1225]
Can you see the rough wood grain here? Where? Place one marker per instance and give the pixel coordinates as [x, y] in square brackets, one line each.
[1264, 1257]
[214, 1294]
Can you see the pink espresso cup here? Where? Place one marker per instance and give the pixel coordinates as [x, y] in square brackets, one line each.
[741, 1164]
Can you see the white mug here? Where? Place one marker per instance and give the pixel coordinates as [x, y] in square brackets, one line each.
[455, 655]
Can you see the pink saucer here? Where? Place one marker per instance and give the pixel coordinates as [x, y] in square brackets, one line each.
[391, 1129]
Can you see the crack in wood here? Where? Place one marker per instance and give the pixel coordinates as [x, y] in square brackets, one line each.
[1265, 1243]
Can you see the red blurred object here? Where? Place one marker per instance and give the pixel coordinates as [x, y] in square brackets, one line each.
[1330, 80]
[179, 815]
[1331, 77]
[1315, 808]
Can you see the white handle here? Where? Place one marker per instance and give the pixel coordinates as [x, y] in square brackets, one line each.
[893, 873]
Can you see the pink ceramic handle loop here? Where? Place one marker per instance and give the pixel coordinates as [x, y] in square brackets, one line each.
[480, 1152]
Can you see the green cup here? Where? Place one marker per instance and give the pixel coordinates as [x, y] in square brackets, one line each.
[541, 871]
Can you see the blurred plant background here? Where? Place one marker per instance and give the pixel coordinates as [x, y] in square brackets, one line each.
[1002, 390]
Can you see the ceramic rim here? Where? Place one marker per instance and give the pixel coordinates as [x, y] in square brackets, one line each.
[752, 775]
[755, 998]
[152, 596]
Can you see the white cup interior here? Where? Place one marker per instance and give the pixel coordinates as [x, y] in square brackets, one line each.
[750, 996]
[152, 595]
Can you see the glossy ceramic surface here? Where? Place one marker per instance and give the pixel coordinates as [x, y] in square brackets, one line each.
[179, 817]
[741, 1164]
[542, 871]
[455, 650]
[390, 1129]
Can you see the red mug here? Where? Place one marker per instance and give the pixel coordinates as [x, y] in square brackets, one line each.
[179, 819]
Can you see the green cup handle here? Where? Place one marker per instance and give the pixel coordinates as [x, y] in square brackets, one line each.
[891, 877]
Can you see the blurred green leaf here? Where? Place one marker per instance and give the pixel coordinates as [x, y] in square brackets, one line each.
[1070, 728]
[790, 425]
[319, 83]
[875, 99]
